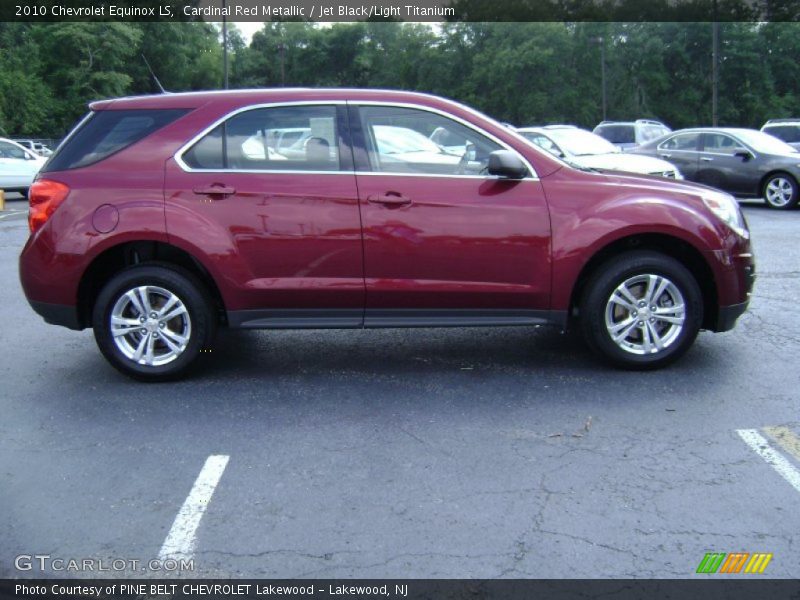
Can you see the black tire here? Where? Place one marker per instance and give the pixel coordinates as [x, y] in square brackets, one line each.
[787, 184]
[191, 294]
[596, 305]
[23, 192]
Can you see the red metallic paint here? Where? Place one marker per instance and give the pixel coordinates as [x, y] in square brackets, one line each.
[460, 243]
[280, 241]
[289, 240]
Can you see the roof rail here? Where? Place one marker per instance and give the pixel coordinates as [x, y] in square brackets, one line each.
[772, 121]
[649, 121]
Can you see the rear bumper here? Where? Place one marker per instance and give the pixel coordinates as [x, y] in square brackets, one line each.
[58, 314]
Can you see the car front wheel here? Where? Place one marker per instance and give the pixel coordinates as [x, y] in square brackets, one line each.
[780, 191]
[641, 310]
[152, 321]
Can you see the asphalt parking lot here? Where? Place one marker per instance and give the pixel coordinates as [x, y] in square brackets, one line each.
[409, 453]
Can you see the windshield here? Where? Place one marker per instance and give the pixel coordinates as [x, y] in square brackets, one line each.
[579, 142]
[763, 142]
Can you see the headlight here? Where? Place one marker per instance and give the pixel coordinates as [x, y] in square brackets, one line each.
[727, 210]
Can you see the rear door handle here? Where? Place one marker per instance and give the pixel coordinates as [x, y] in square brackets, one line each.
[215, 190]
[389, 199]
[666, 156]
[706, 158]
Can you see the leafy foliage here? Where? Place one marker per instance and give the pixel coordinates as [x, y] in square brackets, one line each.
[525, 73]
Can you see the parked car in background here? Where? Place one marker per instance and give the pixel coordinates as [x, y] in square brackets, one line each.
[37, 147]
[585, 149]
[629, 134]
[744, 162]
[42, 150]
[787, 130]
[18, 166]
[27, 144]
[152, 227]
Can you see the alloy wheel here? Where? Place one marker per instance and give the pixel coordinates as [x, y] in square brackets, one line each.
[779, 192]
[645, 314]
[150, 325]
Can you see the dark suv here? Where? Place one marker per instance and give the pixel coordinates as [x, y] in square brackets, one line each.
[161, 218]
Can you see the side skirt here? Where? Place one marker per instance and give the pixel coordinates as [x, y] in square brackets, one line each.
[347, 318]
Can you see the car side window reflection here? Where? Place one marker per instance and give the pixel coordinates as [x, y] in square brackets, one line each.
[721, 144]
[11, 151]
[545, 143]
[687, 141]
[407, 140]
[284, 138]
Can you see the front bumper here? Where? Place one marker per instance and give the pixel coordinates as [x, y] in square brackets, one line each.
[746, 274]
[727, 315]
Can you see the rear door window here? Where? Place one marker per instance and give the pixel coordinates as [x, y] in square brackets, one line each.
[106, 132]
[286, 138]
[683, 141]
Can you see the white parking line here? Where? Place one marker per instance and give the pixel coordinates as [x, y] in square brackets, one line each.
[13, 213]
[181, 538]
[776, 460]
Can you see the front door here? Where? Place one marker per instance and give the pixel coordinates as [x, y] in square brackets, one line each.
[720, 167]
[445, 243]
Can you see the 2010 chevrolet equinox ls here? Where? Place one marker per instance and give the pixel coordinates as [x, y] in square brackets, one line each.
[161, 218]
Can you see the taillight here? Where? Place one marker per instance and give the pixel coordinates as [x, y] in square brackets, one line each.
[45, 196]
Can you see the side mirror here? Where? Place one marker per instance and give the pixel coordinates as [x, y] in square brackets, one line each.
[505, 163]
[744, 155]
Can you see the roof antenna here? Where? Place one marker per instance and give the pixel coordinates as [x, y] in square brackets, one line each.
[158, 83]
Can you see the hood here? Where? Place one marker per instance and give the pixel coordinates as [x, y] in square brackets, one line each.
[660, 184]
[631, 163]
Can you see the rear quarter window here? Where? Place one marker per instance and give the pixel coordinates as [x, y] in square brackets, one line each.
[107, 132]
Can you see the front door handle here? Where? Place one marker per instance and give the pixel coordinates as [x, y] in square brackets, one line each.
[389, 199]
[706, 158]
[215, 189]
[666, 156]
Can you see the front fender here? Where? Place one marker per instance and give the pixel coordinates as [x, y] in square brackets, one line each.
[590, 211]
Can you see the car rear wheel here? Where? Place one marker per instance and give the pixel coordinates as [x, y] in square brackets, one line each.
[641, 310]
[152, 321]
[780, 191]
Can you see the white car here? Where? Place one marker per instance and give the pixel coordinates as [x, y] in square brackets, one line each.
[18, 167]
[586, 149]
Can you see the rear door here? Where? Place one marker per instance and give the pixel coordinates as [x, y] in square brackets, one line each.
[682, 150]
[283, 226]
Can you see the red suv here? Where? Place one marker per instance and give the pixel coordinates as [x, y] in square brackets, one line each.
[161, 218]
